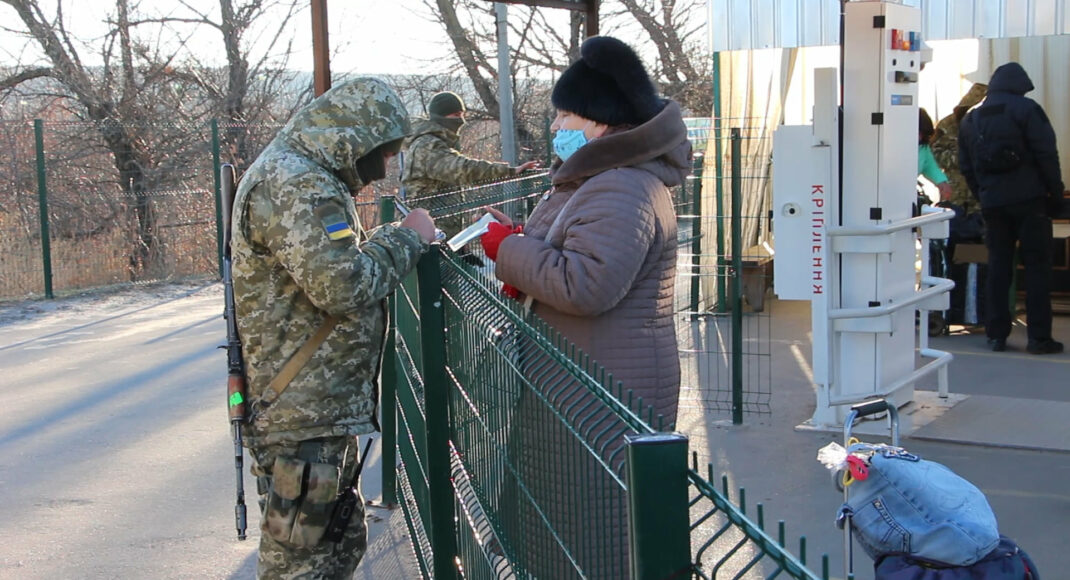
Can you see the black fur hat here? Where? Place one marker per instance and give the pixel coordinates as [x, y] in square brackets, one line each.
[608, 85]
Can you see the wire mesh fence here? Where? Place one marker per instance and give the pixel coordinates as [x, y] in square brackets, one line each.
[528, 437]
[92, 204]
[95, 204]
[719, 376]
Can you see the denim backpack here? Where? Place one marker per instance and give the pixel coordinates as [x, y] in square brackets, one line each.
[907, 505]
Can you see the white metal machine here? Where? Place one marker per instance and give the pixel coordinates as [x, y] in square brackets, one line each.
[844, 224]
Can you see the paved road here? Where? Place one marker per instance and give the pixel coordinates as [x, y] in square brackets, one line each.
[115, 451]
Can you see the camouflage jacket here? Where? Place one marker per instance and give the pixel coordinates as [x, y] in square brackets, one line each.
[299, 254]
[434, 165]
[945, 148]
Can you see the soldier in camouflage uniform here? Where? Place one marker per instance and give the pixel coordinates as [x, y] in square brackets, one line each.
[300, 257]
[945, 148]
[434, 165]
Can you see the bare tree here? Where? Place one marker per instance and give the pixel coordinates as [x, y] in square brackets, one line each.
[149, 88]
[250, 89]
[107, 97]
[672, 28]
[538, 52]
[675, 29]
[541, 48]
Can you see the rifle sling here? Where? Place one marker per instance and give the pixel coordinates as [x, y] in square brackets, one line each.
[297, 362]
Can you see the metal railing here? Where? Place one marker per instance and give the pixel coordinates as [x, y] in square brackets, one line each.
[521, 458]
[724, 321]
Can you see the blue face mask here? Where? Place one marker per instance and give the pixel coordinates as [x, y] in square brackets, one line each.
[568, 141]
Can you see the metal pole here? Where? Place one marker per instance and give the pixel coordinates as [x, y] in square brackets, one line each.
[389, 385]
[436, 406]
[218, 193]
[696, 238]
[42, 204]
[505, 87]
[321, 48]
[592, 17]
[719, 180]
[549, 141]
[658, 520]
[737, 280]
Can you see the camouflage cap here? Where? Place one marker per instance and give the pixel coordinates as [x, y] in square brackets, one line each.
[345, 123]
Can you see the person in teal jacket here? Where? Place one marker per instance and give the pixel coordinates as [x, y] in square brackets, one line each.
[927, 165]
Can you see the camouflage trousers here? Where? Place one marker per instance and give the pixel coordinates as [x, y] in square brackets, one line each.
[303, 555]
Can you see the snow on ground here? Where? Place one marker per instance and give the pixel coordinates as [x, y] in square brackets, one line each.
[104, 301]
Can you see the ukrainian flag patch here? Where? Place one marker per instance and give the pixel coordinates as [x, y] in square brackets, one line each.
[339, 231]
[334, 222]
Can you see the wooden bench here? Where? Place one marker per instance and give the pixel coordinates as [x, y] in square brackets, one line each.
[757, 273]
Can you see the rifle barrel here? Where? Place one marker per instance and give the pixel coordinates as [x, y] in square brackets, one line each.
[236, 404]
[239, 506]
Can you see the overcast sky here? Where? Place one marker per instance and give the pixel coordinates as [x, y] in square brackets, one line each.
[369, 36]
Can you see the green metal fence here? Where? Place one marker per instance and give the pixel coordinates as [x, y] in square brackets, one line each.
[80, 210]
[724, 333]
[519, 457]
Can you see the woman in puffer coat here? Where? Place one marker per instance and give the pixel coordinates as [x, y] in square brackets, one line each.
[597, 261]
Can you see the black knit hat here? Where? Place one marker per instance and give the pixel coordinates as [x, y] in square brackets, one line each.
[445, 103]
[608, 85]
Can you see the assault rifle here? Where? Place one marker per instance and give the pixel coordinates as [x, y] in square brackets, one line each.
[235, 365]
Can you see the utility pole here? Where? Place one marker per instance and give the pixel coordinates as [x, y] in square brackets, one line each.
[321, 48]
[505, 87]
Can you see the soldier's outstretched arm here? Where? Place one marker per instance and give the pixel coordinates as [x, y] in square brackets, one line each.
[451, 166]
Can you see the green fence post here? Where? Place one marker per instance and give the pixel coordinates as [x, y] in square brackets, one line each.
[42, 204]
[719, 179]
[218, 194]
[549, 143]
[737, 280]
[658, 520]
[436, 407]
[696, 237]
[388, 401]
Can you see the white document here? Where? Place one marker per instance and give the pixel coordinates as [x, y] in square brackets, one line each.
[472, 232]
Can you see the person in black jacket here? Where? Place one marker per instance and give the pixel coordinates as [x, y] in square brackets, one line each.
[1008, 156]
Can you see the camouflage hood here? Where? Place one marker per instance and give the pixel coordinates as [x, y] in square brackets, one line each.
[345, 123]
[975, 95]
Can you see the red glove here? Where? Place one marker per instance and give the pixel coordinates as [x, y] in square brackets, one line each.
[491, 240]
[511, 291]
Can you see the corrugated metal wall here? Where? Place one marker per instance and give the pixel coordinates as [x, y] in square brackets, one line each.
[753, 24]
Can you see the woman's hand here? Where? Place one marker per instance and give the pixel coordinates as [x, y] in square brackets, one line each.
[500, 216]
[493, 239]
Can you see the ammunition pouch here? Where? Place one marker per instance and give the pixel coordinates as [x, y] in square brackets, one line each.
[300, 501]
